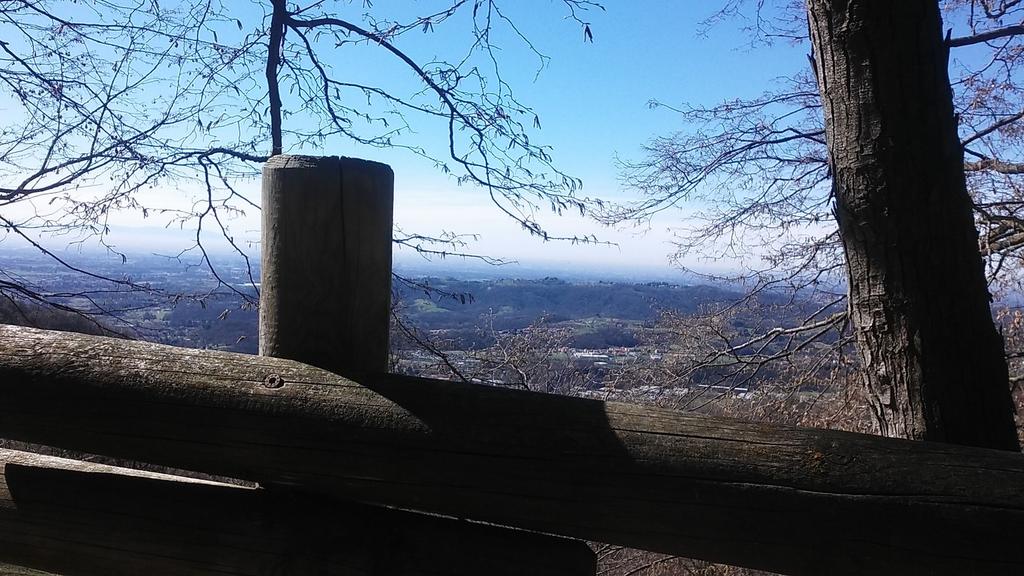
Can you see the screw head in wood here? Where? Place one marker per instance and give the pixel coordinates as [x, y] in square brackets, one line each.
[273, 381]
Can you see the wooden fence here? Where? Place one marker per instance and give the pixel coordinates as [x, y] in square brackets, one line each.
[374, 473]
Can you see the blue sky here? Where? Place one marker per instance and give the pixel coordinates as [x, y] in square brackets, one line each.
[591, 99]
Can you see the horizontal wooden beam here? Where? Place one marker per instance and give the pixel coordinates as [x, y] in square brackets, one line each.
[789, 500]
[84, 519]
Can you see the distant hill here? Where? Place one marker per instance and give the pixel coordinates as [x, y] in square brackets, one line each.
[27, 313]
[517, 303]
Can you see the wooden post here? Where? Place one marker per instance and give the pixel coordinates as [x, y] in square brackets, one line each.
[326, 262]
[326, 289]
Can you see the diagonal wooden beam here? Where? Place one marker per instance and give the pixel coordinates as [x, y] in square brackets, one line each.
[790, 500]
[84, 519]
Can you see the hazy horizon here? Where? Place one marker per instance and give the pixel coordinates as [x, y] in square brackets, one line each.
[591, 100]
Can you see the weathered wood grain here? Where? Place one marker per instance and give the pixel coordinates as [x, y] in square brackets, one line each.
[82, 519]
[326, 260]
[785, 499]
[325, 289]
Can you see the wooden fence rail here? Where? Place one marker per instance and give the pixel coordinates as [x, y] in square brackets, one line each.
[84, 519]
[791, 500]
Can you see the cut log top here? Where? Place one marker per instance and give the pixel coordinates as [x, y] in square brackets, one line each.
[303, 162]
[779, 498]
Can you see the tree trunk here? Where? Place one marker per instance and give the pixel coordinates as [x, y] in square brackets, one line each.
[934, 363]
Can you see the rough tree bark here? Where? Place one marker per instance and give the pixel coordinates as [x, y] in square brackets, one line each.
[933, 360]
